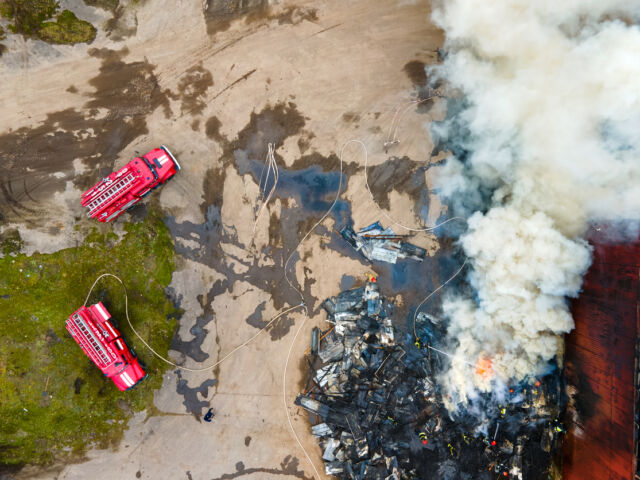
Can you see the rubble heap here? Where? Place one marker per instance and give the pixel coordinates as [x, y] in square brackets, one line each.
[378, 414]
[378, 243]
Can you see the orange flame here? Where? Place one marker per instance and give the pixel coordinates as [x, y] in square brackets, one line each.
[484, 368]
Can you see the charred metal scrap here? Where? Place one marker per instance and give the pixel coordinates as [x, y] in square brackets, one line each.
[378, 243]
[377, 411]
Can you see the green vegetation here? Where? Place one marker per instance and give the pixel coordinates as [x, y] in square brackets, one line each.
[53, 400]
[67, 29]
[10, 242]
[30, 19]
[27, 15]
[2, 37]
[109, 5]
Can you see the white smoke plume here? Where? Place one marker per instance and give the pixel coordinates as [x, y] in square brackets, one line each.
[550, 128]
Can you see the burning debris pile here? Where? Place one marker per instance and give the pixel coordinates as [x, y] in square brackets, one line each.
[377, 243]
[378, 413]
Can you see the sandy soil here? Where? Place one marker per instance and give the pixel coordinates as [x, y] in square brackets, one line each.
[308, 76]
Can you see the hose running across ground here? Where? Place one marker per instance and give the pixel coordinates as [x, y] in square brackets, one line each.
[166, 360]
[271, 167]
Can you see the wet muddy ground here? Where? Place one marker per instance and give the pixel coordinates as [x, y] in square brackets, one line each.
[78, 144]
[227, 79]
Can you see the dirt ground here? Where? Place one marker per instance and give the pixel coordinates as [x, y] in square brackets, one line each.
[216, 85]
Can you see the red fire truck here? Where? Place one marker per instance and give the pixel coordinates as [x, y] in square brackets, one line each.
[91, 329]
[122, 189]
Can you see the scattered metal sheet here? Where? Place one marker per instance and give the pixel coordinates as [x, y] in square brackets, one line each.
[333, 468]
[315, 340]
[329, 448]
[381, 413]
[332, 349]
[381, 244]
[321, 430]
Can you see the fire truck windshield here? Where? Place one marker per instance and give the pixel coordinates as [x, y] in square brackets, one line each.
[153, 170]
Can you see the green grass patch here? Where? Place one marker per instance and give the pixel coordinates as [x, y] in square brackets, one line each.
[10, 241]
[27, 15]
[54, 402]
[29, 18]
[3, 35]
[109, 5]
[68, 29]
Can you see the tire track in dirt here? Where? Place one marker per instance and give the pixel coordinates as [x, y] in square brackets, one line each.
[38, 161]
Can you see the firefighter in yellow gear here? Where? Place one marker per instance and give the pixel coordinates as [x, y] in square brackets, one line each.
[558, 427]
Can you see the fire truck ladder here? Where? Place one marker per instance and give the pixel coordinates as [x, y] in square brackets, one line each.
[112, 192]
[90, 338]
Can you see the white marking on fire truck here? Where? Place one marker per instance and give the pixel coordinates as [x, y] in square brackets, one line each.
[102, 312]
[110, 328]
[119, 344]
[163, 159]
[127, 379]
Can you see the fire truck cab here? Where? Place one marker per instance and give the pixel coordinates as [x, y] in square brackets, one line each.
[114, 194]
[91, 328]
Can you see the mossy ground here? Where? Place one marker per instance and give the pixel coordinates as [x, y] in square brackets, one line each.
[27, 15]
[54, 402]
[3, 35]
[29, 18]
[109, 5]
[68, 29]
